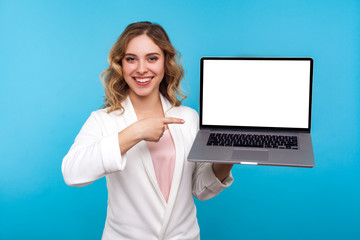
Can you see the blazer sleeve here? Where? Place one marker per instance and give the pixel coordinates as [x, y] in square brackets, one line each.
[92, 155]
[205, 184]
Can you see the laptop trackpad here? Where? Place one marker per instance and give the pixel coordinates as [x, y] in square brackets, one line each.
[249, 155]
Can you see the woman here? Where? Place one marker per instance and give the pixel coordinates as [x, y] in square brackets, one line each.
[140, 141]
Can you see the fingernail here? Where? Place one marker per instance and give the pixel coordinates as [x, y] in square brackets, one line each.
[182, 121]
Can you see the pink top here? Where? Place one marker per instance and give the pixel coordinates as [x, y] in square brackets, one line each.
[163, 158]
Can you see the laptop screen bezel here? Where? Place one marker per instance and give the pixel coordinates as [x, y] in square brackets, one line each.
[206, 126]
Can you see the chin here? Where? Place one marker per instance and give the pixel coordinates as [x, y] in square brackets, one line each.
[143, 93]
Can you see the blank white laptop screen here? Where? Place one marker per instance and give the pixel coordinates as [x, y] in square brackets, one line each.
[256, 93]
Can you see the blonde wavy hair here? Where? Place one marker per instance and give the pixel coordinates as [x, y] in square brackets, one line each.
[116, 88]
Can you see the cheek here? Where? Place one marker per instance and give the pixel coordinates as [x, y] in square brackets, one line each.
[127, 69]
[160, 68]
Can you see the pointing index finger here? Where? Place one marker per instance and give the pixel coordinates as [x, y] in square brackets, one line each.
[171, 120]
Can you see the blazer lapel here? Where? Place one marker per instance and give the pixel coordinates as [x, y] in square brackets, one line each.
[176, 134]
[141, 148]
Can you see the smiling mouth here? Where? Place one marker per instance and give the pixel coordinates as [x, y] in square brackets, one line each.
[142, 80]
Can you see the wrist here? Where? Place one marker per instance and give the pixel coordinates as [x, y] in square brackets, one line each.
[136, 132]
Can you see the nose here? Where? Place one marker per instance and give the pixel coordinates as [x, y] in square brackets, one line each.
[142, 67]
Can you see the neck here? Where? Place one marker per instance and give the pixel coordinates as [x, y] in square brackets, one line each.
[149, 106]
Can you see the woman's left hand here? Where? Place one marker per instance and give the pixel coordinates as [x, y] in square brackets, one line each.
[222, 170]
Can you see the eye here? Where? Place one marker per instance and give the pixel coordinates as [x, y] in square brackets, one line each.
[130, 59]
[153, 59]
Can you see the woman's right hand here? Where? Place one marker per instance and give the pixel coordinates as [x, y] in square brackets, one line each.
[152, 129]
[148, 129]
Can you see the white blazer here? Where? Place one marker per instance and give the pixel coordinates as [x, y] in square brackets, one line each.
[136, 206]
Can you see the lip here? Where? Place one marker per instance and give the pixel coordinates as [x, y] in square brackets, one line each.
[143, 78]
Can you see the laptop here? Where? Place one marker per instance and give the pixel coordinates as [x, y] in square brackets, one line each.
[255, 111]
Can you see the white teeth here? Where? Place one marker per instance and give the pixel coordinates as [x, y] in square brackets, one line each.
[142, 80]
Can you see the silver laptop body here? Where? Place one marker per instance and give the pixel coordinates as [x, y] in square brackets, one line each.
[255, 111]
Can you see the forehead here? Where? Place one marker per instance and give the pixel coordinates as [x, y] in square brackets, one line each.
[142, 45]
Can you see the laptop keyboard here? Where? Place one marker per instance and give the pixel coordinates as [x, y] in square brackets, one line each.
[253, 140]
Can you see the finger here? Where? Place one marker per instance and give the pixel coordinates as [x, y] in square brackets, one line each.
[171, 120]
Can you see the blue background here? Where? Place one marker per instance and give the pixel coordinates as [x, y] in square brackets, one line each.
[51, 56]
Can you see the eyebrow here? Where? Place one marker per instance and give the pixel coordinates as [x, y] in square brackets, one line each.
[132, 54]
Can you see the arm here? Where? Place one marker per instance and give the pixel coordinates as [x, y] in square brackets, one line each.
[206, 184]
[93, 155]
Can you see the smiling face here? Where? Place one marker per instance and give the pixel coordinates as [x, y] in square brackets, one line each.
[143, 67]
